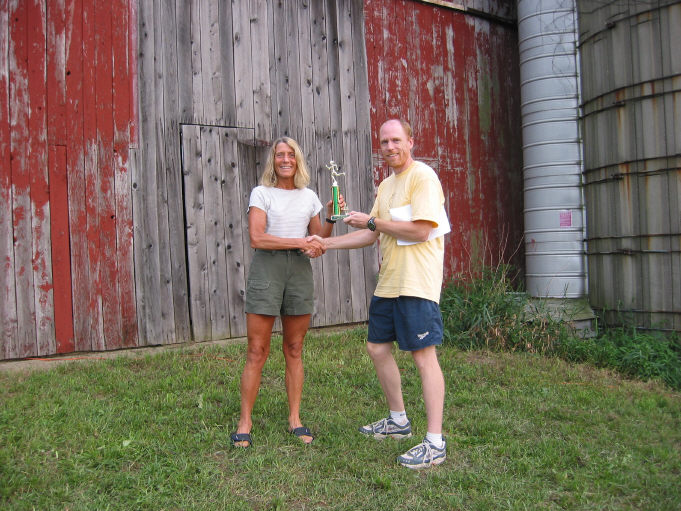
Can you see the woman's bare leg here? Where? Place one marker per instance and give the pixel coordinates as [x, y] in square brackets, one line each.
[295, 328]
[259, 328]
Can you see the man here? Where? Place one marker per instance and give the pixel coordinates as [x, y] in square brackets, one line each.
[405, 305]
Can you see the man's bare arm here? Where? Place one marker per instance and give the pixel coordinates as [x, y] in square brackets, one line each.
[417, 230]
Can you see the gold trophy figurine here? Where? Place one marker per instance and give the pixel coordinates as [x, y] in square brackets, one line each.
[337, 215]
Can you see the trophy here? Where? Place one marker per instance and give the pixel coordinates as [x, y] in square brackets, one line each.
[337, 215]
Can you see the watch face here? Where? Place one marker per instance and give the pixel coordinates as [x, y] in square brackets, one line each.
[371, 224]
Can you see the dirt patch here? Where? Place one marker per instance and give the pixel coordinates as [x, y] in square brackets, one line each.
[42, 363]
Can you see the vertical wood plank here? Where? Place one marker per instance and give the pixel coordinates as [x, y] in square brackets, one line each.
[210, 62]
[305, 90]
[234, 229]
[21, 182]
[251, 162]
[215, 245]
[165, 191]
[144, 185]
[63, 308]
[422, 103]
[455, 94]
[272, 19]
[181, 12]
[472, 73]
[346, 82]
[292, 70]
[324, 151]
[92, 195]
[307, 138]
[259, 36]
[8, 304]
[192, 168]
[37, 161]
[133, 83]
[339, 155]
[197, 62]
[75, 151]
[123, 70]
[394, 81]
[281, 118]
[56, 73]
[111, 317]
[174, 102]
[226, 56]
[374, 49]
[436, 38]
[365, 176]
[243, 79]
[58, 182]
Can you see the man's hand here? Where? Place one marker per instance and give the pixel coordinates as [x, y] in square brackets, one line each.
[357, 219]
[314, 246]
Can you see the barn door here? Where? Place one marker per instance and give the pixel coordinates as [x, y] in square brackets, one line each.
[215, 202]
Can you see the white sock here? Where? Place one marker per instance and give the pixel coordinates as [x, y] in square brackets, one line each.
[400, 418]
[435, 439]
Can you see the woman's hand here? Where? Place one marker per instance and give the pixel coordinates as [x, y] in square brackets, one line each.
[341, 205]
[314, 247]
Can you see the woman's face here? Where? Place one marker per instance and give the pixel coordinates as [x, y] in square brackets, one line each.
[285, 164]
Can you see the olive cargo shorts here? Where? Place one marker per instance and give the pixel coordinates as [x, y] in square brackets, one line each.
[280, 283]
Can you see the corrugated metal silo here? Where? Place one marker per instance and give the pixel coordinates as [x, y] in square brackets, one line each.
[554, 237]
[631, 84]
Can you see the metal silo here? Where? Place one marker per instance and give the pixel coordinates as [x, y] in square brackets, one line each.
[552, 160]
[631, 87]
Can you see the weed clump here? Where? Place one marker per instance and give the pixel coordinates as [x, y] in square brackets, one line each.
[643, 355]
[482, 310]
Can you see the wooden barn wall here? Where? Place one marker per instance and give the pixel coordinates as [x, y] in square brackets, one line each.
[218, 82]
[66, 125]
[455, 76]
[143, 123]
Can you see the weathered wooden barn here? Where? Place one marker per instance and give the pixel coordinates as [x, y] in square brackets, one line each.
[132, 131]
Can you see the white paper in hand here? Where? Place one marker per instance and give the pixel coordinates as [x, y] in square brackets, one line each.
[403, 214]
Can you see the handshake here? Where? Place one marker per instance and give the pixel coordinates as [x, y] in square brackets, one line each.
[314, 246]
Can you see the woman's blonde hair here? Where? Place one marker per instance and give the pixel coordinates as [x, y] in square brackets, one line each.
[302, 176]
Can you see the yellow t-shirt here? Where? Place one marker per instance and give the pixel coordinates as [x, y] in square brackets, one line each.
[411, 270]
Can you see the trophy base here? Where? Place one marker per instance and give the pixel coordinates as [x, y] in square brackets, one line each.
[339, 217]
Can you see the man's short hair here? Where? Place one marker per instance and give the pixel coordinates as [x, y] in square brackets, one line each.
[406, 127]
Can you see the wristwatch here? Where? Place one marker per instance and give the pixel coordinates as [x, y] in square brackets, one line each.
[371, 225]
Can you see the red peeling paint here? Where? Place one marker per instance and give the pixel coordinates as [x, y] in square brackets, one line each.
[454, 77]
[67, 102]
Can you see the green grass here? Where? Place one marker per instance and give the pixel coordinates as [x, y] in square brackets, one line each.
[482, 310]
[524, 431]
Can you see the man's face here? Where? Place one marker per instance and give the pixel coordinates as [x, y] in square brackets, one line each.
[395, 145]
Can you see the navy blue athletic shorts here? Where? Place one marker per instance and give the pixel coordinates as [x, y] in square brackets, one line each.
[415, 323]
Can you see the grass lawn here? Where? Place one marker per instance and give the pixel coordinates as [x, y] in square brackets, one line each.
[523, 431]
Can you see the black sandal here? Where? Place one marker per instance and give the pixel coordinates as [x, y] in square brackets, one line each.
[302, 431]
[241, 437]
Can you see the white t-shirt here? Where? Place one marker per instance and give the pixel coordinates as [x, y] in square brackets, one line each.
[288, 211]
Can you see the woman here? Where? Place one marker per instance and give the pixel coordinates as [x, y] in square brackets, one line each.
[282, 212]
